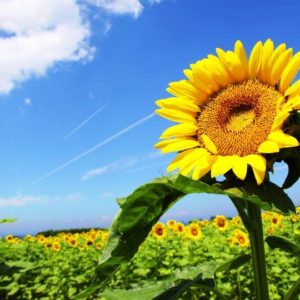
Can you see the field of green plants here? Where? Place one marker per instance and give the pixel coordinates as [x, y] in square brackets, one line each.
[61, 266]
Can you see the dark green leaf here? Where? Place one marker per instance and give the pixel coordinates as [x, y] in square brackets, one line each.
[141, 210]
[294, 292]
[235, 263]
[294, 171]
[270, 193]
[188, 185]
[283, 244]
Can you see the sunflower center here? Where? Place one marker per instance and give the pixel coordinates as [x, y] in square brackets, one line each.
[239, 118]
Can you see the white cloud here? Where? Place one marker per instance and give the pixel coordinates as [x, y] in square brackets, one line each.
[154, 1]
[37, 34]
[20, 201]
[116, 165]
[27, 101]
[120, 7]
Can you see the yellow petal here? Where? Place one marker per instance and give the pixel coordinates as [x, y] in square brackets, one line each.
[178, 159]
[267, 52]
[232, 63]
[209, 144]
[185, 89]
[289, 72]
[279, 65]
[180, 145]
[293, 89]
[254, 60]
[176, 115]
[184, 129]
[283, 140]
[195, 155]
[175, 103]
[280, 119]
[165, 143]
[241, 53]
[268, 147]
[220, 74]
[222, 165]
[203, 166]
[203, 79]
[259, 165]
[280, 49]
[240, 167]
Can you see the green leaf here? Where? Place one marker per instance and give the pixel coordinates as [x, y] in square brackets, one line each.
[201, 275]
[294, 292]
[294, 171]
[235, 263]
[141, 210]
[7, 220]
[188, 185]
[283, 244]
[274, 195]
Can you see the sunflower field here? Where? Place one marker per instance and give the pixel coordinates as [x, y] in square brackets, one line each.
[62, 266]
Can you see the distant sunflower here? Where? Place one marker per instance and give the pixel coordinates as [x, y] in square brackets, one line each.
[221, 222]
[159, 231]
[56, 246]
[9, 238]
[193, 231]
[231, 111]
[241, 238]
[171, 224]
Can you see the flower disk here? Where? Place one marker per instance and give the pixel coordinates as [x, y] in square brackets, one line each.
[232, 111]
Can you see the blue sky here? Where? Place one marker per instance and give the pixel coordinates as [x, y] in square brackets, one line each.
[78, 83]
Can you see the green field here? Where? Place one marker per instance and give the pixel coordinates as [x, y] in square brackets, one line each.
[59, 267]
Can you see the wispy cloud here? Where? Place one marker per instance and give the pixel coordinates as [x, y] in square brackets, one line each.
[119, 7]
[88, 119]
[122, 164]
[116, 165]
[21, 201]
[97, 146]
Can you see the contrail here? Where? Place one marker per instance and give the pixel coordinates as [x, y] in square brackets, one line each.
[99, 145]
[86, 121]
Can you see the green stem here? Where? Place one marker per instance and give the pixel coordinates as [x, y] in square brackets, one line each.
[258, 252]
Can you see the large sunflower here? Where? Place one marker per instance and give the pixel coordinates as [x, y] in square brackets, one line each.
[231, 111]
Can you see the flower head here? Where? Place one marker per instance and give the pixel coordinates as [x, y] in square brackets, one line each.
[221, 222]
[193, 231]
[231, 111]
[159, 231]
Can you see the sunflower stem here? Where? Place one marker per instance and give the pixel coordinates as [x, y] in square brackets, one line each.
[258, 252]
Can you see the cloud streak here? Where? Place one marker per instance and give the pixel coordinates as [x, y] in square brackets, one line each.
[97, 146]
[88, 119]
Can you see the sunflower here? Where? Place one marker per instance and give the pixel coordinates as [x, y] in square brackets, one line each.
[180, 228]
[236, 221]
[193, 231]
[221, 222]
[159, 231]
[72, 242]
[56, 246]
[9, 238]
[276, 220]
[241, 238]
[294, 218]
[231, 111]
[171, 224]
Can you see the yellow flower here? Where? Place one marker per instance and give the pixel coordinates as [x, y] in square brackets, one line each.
[294, 218]
[171, 224]
[159, 231]
[241, 238]
[221, 222]
[276, 220]
[231, 111]
[9, 238]
[56, 246]
[180, 228]
[193, 231]
[298, 210]
[72, 242]
[99, 246]
[236, 221]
